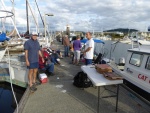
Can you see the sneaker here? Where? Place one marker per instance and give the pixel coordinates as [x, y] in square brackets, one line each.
[36, 83]
[78, 64]
[51, 74]
[33, 89]
[48, 74]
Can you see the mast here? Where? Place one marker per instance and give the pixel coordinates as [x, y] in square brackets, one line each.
[39, 13]
[37, 27]
[27, 17]
[68, 30]
[41, 17]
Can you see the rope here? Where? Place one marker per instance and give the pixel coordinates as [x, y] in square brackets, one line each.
[11, 79]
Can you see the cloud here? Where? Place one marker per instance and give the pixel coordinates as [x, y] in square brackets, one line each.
[90, 14]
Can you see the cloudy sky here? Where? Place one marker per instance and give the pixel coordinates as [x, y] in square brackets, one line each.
[86, 15]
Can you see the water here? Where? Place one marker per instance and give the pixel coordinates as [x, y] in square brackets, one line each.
[7, 103]
[118, 50]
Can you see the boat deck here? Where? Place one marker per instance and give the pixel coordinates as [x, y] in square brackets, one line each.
[59, 95]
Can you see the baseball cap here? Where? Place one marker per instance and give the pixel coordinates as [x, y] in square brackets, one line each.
[35, 33]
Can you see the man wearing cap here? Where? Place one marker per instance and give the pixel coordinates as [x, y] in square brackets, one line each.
[32, 52]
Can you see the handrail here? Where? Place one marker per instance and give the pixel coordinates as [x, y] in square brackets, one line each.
[11, 19]
[8, 12]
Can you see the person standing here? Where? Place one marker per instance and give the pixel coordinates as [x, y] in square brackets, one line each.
[32, 52]
[71, 51]
[76, 47]
[89, 49]
[66, 44]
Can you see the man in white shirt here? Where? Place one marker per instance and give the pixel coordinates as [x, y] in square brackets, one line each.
[89, 49]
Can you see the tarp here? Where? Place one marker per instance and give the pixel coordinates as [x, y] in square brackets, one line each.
[3, 37]
[95, 40]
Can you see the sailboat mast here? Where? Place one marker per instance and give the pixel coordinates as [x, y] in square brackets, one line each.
[39, 13]
[27, 17]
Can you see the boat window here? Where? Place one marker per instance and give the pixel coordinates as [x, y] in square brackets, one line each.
[136, 59]
[148, 63]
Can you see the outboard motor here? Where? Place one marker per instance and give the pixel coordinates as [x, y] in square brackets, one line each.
[121, 61]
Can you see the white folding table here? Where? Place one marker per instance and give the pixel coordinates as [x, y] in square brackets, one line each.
[99, 80]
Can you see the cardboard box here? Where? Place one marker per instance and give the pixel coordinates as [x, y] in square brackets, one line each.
[112, 76]
[103, 68]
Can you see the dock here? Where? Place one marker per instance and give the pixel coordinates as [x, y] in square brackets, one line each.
[59, 95]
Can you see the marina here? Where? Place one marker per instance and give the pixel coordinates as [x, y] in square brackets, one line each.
[117, 79]
[7, 102]
[59, 95]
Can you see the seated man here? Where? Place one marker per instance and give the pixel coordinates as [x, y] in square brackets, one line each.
[59, 53]
[54, 55]
[54, 58]
[47, 66]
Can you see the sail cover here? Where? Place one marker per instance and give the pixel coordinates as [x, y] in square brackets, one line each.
[3, 37]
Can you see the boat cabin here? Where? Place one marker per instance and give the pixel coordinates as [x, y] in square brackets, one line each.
[137, 68]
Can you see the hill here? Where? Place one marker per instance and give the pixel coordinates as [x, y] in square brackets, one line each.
[123, 30]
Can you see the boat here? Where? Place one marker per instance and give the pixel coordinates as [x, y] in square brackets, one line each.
[136, 70]
[12, 58]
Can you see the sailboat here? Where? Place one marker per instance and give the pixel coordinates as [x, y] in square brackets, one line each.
[13, 67]
[16, 62]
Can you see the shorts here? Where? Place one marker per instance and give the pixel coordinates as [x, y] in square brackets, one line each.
[77, 54]
[33, 65]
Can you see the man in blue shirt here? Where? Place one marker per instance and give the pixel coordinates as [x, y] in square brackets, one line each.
[32, 52]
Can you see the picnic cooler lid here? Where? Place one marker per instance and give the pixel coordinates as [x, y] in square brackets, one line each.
[42, 76]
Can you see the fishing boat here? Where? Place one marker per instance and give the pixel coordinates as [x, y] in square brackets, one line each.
[136, 70]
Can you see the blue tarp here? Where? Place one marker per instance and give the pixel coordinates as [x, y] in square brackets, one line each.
[95, 40]
[3, 37]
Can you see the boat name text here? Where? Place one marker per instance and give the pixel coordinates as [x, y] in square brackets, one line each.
[143, 77]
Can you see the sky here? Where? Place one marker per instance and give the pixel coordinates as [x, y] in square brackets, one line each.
[84, 15]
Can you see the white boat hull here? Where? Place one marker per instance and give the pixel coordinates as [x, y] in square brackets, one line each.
[18, 71]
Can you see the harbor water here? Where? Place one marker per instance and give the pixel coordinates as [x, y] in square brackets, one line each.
[112, 50]
[7, 102]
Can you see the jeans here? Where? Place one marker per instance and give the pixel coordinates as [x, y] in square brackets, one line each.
[49, 67]
[54, 58]
[66, 51]
[88, 61]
